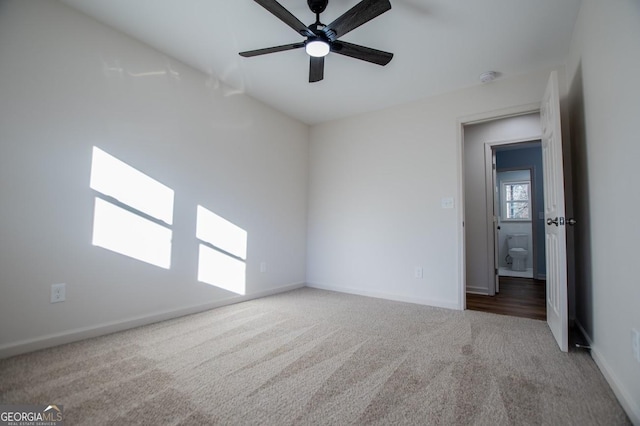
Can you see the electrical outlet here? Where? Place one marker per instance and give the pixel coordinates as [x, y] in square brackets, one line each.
[58, 293]
[635, 343]
[418, 272]
[263, 267]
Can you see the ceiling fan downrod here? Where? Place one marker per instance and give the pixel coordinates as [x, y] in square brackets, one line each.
[317, 7]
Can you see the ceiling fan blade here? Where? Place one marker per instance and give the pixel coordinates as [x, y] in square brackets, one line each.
[316, 69]
[360, 52]
[359, 14]
[274, 49]
[285, 16]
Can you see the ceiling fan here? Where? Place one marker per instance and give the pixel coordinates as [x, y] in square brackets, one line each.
[322, 39]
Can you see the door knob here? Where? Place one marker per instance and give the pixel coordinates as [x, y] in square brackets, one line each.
[552, 221]
[571, 221]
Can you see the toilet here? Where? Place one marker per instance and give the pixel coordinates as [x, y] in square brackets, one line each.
[518, 245]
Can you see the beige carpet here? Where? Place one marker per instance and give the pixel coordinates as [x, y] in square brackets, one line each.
[318, 357]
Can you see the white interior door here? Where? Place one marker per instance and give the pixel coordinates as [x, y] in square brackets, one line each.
[493, 279]
[554, 211]
[496, 224]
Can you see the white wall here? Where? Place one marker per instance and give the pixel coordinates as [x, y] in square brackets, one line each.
[376, 186]
[519, 128]
[69, 83]
[604, 98]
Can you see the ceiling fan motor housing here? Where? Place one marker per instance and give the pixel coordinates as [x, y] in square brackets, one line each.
[317, 6]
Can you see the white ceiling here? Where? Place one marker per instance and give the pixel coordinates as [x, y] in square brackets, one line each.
[438, 45]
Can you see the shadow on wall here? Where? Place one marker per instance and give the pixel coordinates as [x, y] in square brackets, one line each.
[584, 279]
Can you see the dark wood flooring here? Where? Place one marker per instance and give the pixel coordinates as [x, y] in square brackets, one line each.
[519, 297]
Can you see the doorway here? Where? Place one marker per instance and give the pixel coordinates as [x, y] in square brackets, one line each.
[504, 211]
[514, 208]
[515, 222]
[547, 127]
[518, 201]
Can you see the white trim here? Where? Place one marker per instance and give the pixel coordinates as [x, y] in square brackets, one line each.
[513, 111]
[43, 342]
[624, 398]
[462, 271]
[387, 296]
[477, 290]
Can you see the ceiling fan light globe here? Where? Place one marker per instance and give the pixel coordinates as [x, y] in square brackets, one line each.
[317, 48]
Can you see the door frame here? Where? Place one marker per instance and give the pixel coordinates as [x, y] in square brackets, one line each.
[492, 244]
[461, 122]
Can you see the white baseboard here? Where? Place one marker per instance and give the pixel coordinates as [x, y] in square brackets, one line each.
[387, 296]
[477, 290]
[30, 345]
[628, 404]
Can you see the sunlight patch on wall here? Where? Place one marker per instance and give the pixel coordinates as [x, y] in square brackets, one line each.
[221, 270]
[130, 186]
[119, 230]
[223, 251]
[221, 233]
[132, 211]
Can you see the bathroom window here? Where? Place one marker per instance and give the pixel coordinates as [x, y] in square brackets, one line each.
[516, 198]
